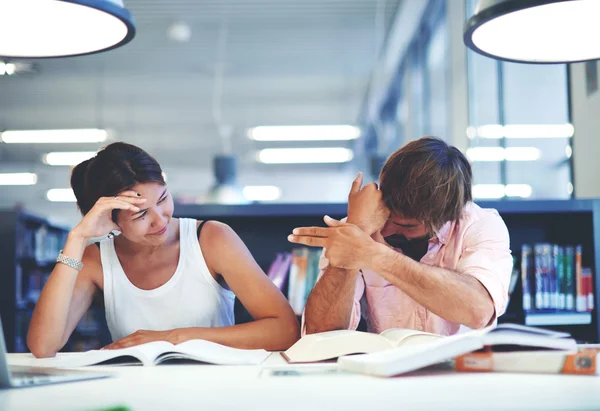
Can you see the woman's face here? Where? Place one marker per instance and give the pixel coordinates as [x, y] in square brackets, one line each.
[151, 225]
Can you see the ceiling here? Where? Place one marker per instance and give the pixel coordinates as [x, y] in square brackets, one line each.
[282, 62]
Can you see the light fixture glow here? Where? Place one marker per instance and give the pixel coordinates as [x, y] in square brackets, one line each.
[497, 191]
[305, 155]
[477, 154]
[568, 151]
[60, 28]
[518, 190]
[488, 191]
[61, 195]
[535, 31]
[496, 131]
[53, 136]
[304, 133]
[17, 179]
[67, 158]
[261, 193]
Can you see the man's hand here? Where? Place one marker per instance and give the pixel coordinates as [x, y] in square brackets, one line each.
[366, 208]
[346, 245]
[141, 337]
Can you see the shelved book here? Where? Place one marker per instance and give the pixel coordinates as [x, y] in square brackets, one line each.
[503, 338]
[554, 278]
[582, 362]
[153, 353]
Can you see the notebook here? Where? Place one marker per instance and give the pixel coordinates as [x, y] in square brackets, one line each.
[154, 353]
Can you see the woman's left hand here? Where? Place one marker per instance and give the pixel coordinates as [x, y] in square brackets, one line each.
[141, 337]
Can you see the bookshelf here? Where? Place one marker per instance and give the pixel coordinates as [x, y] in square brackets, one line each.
[264, 229]
[28, 249]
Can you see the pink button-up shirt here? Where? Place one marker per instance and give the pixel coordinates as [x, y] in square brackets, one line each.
[477, 245]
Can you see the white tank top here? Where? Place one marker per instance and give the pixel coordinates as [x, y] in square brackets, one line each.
[191, 297]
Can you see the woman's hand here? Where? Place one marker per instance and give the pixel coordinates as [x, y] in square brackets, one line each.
[142, 337]
[98, 221]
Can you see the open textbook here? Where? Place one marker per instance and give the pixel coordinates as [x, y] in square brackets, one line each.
[505, 338]
[332, 344]
[153, 353]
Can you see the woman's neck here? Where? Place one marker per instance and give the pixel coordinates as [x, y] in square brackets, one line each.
[132, 248]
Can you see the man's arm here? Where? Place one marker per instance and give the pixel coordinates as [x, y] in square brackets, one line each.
[330, 305]
[472, 295]
[456, 297]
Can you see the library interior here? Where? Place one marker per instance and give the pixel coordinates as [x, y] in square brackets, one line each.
[299, 204]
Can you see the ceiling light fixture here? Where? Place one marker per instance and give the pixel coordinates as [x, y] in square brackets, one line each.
[305, 155]
[17, 179]
[304, 133]
[67, 158]
[61, 28]
[535, 31]
[53, 136]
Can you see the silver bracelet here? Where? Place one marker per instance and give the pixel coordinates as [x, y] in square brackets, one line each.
[69, 261]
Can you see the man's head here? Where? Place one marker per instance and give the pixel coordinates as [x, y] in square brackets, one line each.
[424, 184]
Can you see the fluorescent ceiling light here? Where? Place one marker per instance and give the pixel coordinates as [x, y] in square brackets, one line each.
[540, 31]
[518, 190]
[496, 191]
[305, 155]
[261, 193]
[17, 179]
[59, 28]
[86, 135]
[495, 131]
[488, 191]
[304, 133]
[477, 154]
[67, 158]
[7, 68]
[61, 195]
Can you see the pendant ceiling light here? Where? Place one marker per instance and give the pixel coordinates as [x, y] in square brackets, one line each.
[61, 28]
[535, 31]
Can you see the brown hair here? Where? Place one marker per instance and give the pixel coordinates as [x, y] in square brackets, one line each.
[427, 180]
[116, 168]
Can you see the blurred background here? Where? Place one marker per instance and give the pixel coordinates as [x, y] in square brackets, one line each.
[200, 75]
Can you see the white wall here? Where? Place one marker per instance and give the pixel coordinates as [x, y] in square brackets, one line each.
[585, 111]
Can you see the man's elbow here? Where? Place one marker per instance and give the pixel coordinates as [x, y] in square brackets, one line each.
[482, 316]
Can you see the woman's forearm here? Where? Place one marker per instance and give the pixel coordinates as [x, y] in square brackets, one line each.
[271, 334]
[49, 320]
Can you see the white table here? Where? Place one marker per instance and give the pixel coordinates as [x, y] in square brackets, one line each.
[206, 387]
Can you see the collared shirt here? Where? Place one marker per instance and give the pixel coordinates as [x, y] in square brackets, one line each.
[477, 245]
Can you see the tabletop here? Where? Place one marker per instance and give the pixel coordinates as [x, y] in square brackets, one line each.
[276, 385]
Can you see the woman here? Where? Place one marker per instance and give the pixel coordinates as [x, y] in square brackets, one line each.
[163, 278]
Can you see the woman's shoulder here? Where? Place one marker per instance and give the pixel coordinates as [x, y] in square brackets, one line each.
[213, 229]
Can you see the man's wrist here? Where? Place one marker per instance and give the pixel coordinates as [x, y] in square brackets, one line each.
[382, 257]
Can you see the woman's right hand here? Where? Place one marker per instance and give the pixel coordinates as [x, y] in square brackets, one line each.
[98, 221]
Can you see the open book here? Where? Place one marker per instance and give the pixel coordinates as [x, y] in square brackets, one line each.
[505, 337]
[153, 353]
[333, 344]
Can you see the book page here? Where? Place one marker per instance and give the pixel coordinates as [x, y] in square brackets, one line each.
[210, 352]
[405, 337]
[333, 344]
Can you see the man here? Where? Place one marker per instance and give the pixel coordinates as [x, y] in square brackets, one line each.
[418, 253]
